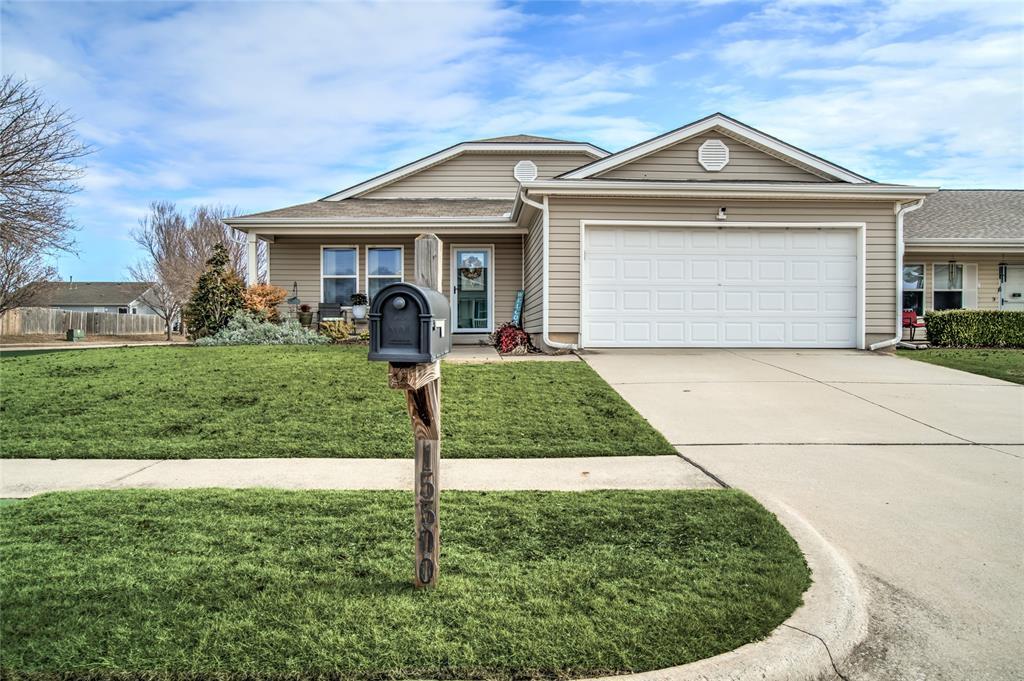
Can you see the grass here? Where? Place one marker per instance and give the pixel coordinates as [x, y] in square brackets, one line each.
[267, 584]
[281, 401]
[1005, 364]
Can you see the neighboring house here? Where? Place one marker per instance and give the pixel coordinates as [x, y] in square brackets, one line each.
[714, 234]
[117, 297]
[965, 249]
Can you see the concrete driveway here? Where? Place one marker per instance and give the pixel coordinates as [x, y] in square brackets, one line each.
[915, 471]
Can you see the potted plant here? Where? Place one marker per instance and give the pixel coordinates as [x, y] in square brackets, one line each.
[305, 315]
[359, 301]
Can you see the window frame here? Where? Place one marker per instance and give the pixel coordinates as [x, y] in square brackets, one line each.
[367, 276]
[924, 285]
[324, 247]
[936, 289]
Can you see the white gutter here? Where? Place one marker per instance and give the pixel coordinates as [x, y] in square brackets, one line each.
[901, 210]
[345, 221]
[545, 285]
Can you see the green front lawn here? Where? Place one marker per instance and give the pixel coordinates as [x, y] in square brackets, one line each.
[281, 401]
[261, 584]
[1004, 364]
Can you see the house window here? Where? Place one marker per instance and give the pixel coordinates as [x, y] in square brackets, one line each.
[122, 310]
[339, 272]
[913, 288]
[949, 286]
[383, 267]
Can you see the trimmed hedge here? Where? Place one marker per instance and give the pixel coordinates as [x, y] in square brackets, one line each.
[976, 328]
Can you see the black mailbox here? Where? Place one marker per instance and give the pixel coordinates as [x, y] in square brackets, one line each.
[409, 325]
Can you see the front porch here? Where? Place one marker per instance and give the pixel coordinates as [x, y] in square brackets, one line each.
[481, 272]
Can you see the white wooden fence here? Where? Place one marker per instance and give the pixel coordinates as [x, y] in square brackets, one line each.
[24, 321]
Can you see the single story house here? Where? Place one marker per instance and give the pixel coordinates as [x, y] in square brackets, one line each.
[714, 234]
[115, 297]
[965, 249]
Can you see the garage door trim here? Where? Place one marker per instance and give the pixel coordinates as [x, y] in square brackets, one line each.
[860, 227]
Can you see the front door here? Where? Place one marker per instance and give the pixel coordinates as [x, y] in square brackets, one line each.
[1011, 291]
[472, 288]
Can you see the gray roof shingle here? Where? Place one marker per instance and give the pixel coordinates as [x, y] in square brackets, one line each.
[391, 208]
[523, 139]
[87, 292]
[968, 214]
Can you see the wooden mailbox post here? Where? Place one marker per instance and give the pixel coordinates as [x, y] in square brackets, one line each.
[409, 329]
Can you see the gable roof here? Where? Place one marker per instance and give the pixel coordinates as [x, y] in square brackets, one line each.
[968, 214]
[735, 128]
[494, 144]
[387, 208]
[107, 293]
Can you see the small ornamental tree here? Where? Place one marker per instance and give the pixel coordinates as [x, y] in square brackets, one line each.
[217, 295]
[262, 301]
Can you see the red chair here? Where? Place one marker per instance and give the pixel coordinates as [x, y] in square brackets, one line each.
[910, 321]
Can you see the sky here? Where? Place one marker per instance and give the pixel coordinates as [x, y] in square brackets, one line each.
[259, 105]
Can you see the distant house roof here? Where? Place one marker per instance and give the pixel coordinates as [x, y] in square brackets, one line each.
[968, 214]
[523, 139]
[56, 293]
[390, 208]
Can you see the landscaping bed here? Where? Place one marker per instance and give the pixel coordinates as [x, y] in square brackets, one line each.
[1005, 364]
[266, 584]
[310, 401]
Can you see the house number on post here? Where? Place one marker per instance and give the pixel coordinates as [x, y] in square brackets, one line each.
[408, 329]
[426, 566]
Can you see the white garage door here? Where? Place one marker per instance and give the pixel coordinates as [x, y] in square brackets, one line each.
[728, 287]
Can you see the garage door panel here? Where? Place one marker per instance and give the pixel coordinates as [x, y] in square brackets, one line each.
[727, 287]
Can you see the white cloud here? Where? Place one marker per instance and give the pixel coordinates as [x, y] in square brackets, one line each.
[883, 96]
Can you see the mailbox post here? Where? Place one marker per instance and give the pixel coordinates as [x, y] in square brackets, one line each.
[409, 329]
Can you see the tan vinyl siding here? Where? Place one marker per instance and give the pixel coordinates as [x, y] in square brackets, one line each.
[297, 259]
[533, 304]
[566, 214]
[477, 175]
[988, 273]
[679, 162]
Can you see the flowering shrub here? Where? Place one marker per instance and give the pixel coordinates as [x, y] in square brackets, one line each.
[244, 329]
[510, 339]
[337, 330]
[262, 301]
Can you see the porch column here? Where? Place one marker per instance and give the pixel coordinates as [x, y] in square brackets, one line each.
[252, 273]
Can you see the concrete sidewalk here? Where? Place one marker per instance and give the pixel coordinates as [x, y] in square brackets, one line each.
[27, 477]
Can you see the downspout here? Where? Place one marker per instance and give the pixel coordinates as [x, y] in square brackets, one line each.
[903, 209]
[543, 207]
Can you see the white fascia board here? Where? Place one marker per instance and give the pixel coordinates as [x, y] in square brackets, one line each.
[645, 188]
[241, 223]
[451, 152]
[734, 127]
[267, 231]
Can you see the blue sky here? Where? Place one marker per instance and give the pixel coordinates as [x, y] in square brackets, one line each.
[260, 105]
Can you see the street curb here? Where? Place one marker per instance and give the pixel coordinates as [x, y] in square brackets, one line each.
[834, 609]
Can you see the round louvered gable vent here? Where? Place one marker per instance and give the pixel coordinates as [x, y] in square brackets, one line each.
[525, 171]
[713, 155]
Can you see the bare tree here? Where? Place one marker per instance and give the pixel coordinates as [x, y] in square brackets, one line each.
[175, 251]
[163, 237]
[39, 155]
[24, 275]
